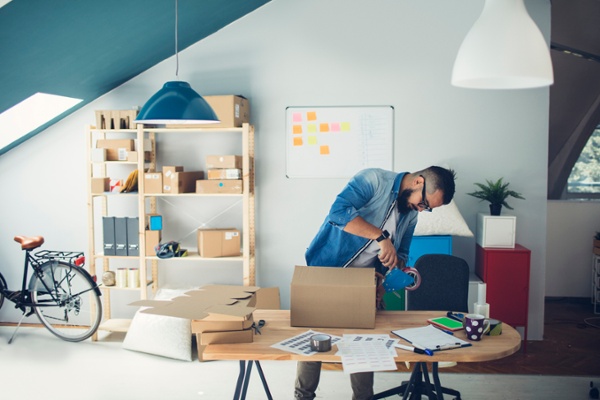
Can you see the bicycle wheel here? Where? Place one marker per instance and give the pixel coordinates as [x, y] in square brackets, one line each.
[64, 296]
[3, 287]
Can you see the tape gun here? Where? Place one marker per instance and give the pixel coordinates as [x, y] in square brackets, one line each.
[401, 278]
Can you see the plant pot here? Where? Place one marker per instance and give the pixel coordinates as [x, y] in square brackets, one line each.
[495, 209]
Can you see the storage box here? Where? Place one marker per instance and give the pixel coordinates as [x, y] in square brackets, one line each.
[496, 230]
[330, 297]
[100, 185]
[229, 173]
[219, 242]
[228, 161]
[225, 337]
[132, 156]
[169, 170]
[231, 186]
[202, 325]
[153, 182]
[152, 238]
[182, 182]
[116, 149]
[232, 111]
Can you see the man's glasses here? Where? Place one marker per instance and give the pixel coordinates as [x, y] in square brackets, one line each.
[424, 204]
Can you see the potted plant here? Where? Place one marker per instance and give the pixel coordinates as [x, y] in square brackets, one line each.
[496, 194]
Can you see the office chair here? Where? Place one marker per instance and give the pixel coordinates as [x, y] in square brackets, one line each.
[444, 287]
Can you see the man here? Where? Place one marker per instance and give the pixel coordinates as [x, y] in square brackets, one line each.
[370, 225]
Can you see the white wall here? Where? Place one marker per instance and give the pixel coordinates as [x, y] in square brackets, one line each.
[307, 53]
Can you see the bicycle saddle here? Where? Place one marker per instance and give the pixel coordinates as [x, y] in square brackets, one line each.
[28, 243]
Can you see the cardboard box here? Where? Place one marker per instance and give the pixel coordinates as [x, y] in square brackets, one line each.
[229, 173]
[232, 111]
[152, 239]
[153, 182]
[219, 242]
[230, 186]
[201, 325]
[116, 149]
[100, 185]
[268, 299]
[182, 182]
[169, 170]
[496, 231]
[330, 297]
[228, 161]
[98, 155]
[225, 337]
[132, 156]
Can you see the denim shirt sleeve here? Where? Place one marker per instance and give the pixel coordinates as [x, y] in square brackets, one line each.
[404, 246]
[353, 197]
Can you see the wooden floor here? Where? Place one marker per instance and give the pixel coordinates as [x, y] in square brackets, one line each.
[571, 345]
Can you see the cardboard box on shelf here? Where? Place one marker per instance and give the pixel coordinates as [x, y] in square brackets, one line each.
[100, 185]
[232, 111]
[225, 161]
[182, 182]
[98, 155]
[231, 186]
[228, 173]
[169, 170]
[219, 242]
[330, 297]
[153, 182]
[152, 239]
[132, 156]
[116, 149]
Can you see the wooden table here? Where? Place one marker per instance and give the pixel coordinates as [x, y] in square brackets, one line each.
[277, 328]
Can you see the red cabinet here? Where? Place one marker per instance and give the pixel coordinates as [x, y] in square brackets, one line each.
[506, 274]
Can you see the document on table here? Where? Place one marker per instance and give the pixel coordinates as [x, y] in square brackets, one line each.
[431, 338]
[300, 344]
[364, 353]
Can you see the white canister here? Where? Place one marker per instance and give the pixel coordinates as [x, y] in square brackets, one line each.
[133, 278]
[121, 277]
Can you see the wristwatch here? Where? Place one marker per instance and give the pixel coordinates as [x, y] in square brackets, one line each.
[384, 235]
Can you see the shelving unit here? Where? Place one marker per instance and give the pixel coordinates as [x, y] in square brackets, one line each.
[100, 204]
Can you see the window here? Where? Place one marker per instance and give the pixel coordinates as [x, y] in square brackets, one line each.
[584, 181]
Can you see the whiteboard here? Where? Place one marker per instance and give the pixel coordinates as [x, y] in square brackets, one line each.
[337, 142]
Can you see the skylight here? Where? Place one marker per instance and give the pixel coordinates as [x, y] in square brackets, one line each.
[30, 114]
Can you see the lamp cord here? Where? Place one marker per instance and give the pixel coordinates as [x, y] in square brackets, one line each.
[176, 44]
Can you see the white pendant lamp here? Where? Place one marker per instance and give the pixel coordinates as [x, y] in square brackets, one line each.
[503, 50]
[176, 102]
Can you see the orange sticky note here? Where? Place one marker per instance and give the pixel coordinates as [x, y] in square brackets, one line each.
[324, 127]
[297, 129]
[324, 150]
[297, 141]
[311, 116]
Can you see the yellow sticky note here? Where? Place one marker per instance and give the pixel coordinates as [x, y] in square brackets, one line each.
[312, 139]
[311, 116]
[297, 141]
[297, 129]
[324, 150]
[345, 126]
[311, 128]
[324, 127]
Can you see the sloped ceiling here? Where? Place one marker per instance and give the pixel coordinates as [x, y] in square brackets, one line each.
[85, 48]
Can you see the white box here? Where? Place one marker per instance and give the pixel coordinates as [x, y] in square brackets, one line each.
[496, 230]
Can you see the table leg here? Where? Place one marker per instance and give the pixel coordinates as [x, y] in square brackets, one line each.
[246, 380]
[436, 381]
[264, 380]
[240, 380]
[241, 388]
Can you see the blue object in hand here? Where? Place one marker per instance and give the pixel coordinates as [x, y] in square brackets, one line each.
[396, 279]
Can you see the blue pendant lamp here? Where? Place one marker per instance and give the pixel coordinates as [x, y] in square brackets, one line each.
[176, 102]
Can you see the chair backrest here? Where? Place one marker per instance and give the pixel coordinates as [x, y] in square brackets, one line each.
[444, 284]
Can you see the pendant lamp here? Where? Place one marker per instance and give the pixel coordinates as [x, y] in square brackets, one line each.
[503, 50]
[176, 102]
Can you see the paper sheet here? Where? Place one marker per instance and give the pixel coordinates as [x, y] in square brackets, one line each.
[364, 356]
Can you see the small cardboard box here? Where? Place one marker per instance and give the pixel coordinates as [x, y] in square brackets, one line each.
[232, 110]
[219, 242]
[330, 297]
[182, 182]
[152, 239]
[222, 173]
[202, 325]
[116, 149]
[228, 161]
[231, 186]
[153, 182]
[225, 337]
[169, 170]
[100, 185]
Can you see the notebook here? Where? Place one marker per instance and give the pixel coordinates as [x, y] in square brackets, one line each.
[429, 337]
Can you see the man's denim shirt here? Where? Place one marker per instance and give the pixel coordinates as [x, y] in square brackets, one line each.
[371, 194]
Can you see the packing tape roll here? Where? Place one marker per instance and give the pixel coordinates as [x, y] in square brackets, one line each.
[320, 342]
[495, 327]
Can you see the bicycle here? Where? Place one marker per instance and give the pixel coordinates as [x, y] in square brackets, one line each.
[60, 291]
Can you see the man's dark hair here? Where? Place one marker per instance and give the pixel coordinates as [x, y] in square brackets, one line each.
[438, 178]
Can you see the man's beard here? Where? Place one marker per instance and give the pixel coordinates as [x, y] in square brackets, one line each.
[403, 204]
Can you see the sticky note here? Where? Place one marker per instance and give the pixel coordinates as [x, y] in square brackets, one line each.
[297, 141]
[323, 127]
[297, 117]
[345, 126]
[335, 127]
[297, 129]
[311, 116]
[312, 139]
[311, 128]
[324, 150]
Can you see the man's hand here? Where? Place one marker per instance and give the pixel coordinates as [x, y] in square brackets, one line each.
[387, 254]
